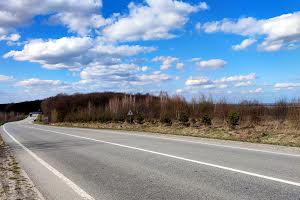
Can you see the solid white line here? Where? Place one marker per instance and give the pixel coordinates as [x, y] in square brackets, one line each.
[71, 184]
[179, 158]
[226, 146]
[195, 142]
[39, 194]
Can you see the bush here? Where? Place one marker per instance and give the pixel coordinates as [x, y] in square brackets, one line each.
[183, 117]
[129, 119]
[233, 119]
[140, 119]
[119, 119]
[193, 121]
[166, 120]
[105, 119]
[39, 118]
[206, 120]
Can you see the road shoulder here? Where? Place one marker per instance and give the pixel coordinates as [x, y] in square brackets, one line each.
[14, 183]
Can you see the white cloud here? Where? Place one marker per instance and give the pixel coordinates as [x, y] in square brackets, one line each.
[278, 32]
[179, 91]
[59, 53]
[255, 91]
[247, 77]
[243, 84]
[179, 66]
[206, 83]
[10, 38]
[33, 82]
[195, 59]
[203, 6]
[167, 61]
[74, 52]
[80, 23]
[211, 64]
[243, 45]
[155, 77]
[5, 78]
[198, 26]
[14, 13]
[154, 20]
[198, 81]
[110, 72]
[145, 68]
[289, 86]
[121, 75]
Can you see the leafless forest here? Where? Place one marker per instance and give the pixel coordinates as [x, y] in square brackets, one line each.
[113, 107]
[10, 116]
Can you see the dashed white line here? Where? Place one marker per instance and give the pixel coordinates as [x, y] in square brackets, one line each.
[179, 158]
[67, 181]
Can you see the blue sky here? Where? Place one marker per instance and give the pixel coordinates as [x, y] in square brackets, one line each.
[232, 49]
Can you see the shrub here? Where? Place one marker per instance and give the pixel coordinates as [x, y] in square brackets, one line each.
[183, 117]
[140, 119]
[280, 110]
[129, 119]
[119, 119]
[166, 120]
[233, 119]
[54, 116]
[206, 120]
[105, 119]
[193, 121]
[39, 118]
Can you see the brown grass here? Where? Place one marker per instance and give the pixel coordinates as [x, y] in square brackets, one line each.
[250, 121]
[268, 133]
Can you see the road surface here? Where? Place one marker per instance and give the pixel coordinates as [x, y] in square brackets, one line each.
[74, 163]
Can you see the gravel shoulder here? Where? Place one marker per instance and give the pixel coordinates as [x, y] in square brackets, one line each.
[14, 183]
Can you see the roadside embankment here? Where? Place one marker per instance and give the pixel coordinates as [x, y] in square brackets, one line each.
[267, 133]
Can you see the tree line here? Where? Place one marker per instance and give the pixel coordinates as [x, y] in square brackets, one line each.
[113, 107]
[10, 116]
[17, 111]
[22, 107]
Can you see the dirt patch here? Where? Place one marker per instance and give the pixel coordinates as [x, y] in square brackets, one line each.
[13, 183]
[267, 133]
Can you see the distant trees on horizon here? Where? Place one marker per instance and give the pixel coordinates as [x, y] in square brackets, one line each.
[109, 107]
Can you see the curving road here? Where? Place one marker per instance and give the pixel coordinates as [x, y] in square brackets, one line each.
[74, 163]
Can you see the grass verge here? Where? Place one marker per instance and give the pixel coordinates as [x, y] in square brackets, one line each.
[269, 133]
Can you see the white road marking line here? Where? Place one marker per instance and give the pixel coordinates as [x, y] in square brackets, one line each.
[196, 142]
[179, 158]
[39, 194]
[71, 184]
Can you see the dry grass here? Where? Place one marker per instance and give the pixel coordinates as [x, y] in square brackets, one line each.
[274, 132]
[13, 185]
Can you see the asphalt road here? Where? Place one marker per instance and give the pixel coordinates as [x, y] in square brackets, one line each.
[71, 163]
